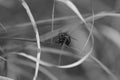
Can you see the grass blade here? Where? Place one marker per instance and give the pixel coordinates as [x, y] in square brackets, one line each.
[24, 4]
[5, 78]
[74, 8]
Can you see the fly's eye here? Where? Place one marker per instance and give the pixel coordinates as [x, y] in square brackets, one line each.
[63, 39]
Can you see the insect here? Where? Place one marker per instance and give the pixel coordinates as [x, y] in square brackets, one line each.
[63, 39]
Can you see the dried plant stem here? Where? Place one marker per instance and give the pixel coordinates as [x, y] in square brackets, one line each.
[53, 13]
[74, 8]
[71, 5]
[90, 31]
[46, 21]
[5, 78]
[24, 4]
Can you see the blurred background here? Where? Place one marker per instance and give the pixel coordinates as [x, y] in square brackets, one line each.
[106, 46]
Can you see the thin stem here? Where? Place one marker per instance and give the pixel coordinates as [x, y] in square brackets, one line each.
[24, 4]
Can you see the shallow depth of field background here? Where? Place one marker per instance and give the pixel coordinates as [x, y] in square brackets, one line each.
[12, 14]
